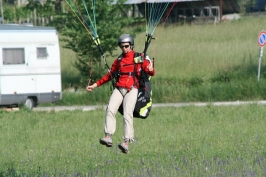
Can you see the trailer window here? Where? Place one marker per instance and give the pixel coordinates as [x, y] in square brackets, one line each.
[42, 52]
[13, 56]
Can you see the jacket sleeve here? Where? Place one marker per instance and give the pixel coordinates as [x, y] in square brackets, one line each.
[107, 76]
[145, 65]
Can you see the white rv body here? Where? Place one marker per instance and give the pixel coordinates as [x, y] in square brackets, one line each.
[30, 69]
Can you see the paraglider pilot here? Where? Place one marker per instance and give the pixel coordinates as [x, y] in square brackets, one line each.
[125, 92]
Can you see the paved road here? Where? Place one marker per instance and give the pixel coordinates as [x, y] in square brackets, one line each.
[89, 108]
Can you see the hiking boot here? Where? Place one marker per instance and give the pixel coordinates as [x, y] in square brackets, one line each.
[107, 141]
[123, 147]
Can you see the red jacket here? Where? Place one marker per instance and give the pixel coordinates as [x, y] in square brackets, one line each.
[125, 65]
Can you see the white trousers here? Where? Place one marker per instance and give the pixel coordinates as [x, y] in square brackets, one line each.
[129, 99]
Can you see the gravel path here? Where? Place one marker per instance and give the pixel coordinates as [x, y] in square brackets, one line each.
[89, 108]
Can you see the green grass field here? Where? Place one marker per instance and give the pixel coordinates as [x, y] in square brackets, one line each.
[184, 141]
[193, 63]
[189, 50]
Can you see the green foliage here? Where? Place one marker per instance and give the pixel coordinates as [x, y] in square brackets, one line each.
[110, 25]
[15, 13]
[45, 10]
[31, 5]
[21, 13]
[9, 13]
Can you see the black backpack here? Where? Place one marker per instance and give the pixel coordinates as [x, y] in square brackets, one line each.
[144, 99]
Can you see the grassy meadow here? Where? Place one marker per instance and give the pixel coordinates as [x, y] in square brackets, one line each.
[183, 141]
[193, 63]
[217, 62]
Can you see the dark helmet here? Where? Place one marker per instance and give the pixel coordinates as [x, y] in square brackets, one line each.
[126, 38]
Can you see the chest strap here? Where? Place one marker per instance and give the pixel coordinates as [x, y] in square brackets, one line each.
[128, 73]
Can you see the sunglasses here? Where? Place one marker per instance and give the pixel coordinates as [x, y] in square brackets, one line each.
[124, 46]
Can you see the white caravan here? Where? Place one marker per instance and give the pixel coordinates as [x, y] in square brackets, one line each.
[30, 70]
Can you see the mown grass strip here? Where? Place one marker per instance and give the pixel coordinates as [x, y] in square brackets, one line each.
[183, 141]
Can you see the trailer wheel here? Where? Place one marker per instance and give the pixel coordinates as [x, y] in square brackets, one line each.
[29, 103]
